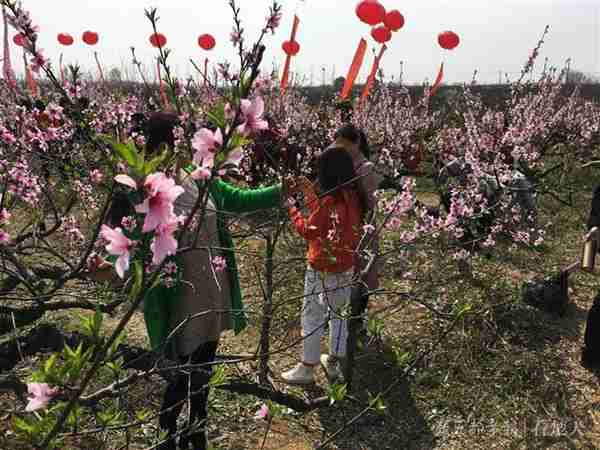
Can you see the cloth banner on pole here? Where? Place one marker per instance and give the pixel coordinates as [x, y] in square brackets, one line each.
[373, 74]
[359, 56]
[438, 81]
[288, 60]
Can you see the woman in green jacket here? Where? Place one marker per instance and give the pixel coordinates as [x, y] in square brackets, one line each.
[186, 318]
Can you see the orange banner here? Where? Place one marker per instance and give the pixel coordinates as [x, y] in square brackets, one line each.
[288, 60]
[295, 28]
[31, 83]
[359, 56]
[438, 81]
[286, 73]
[373, 74]
[163, 91]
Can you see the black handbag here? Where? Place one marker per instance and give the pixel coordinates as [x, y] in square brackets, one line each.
[548, 294]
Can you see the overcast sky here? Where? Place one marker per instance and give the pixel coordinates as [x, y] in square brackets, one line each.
[495, 34]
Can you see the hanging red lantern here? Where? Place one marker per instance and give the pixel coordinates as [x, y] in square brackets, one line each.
[65, 39]
[158, 40]
[19, 39]
[370, 12]
[207, 42]
[291, 48]
[394, 20]
[448, 40]
[381, 34]
[90, 37]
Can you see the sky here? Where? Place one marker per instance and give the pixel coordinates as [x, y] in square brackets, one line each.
[496, 35]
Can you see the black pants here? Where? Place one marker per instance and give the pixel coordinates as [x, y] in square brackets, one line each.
[360, 291]
[196, 386]
[363, 303]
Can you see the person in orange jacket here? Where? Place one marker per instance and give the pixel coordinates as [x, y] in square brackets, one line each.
[332, 230]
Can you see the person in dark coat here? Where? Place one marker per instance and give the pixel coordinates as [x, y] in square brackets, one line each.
[590, 355]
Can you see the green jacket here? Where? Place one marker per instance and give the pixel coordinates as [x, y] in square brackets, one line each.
[159, 302]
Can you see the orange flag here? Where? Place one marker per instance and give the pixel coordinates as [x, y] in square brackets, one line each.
[373, 74]
[288, 60]
[163, 91]
[437, 82]
[359, 56]
[31, 83]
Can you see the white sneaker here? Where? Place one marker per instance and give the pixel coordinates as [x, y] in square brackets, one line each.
[301, 374]
[332, 367]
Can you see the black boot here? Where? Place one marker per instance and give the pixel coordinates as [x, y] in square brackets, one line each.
[169, 443]
[193, 441]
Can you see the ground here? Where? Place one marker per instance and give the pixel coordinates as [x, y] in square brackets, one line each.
[508, 377]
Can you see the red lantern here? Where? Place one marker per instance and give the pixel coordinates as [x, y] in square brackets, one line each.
[19, 39]
[65, 39]
[90, 37]
[448, 40]
[394, 20]
[158, 40]
[381, 34]
[291, 48]
[370, 12]
[207, 42]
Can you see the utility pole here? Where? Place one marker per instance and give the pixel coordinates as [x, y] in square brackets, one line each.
[400, 79]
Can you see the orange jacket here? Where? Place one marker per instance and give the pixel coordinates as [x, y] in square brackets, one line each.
[332, 230]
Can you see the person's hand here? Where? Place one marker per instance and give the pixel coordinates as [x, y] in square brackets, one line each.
[99, 269]
[304, 183]
[289, 186]
[96, 263]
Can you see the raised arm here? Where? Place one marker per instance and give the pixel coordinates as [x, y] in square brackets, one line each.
[238, 200]
[368, 182]
[317, 224]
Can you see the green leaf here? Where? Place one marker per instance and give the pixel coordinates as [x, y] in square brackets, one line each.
[127, 152]
[143, 415]
[377, 404]
[49, 364]
[138, 278]
[217, 115]
[115, 345]
[219, 376]
[337, 393]
[23, 426]
[402, 358]
[238, 140]
[153, 164]
[463, 311]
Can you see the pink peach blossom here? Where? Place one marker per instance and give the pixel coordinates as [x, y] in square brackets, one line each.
[158, 205]
[164, 243]
[118, 245]
[253, 116]
[40, 395]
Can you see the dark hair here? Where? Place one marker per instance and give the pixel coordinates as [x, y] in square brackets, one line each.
[336, 171]
[356, 136]
[158, 130]
[120, 208]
